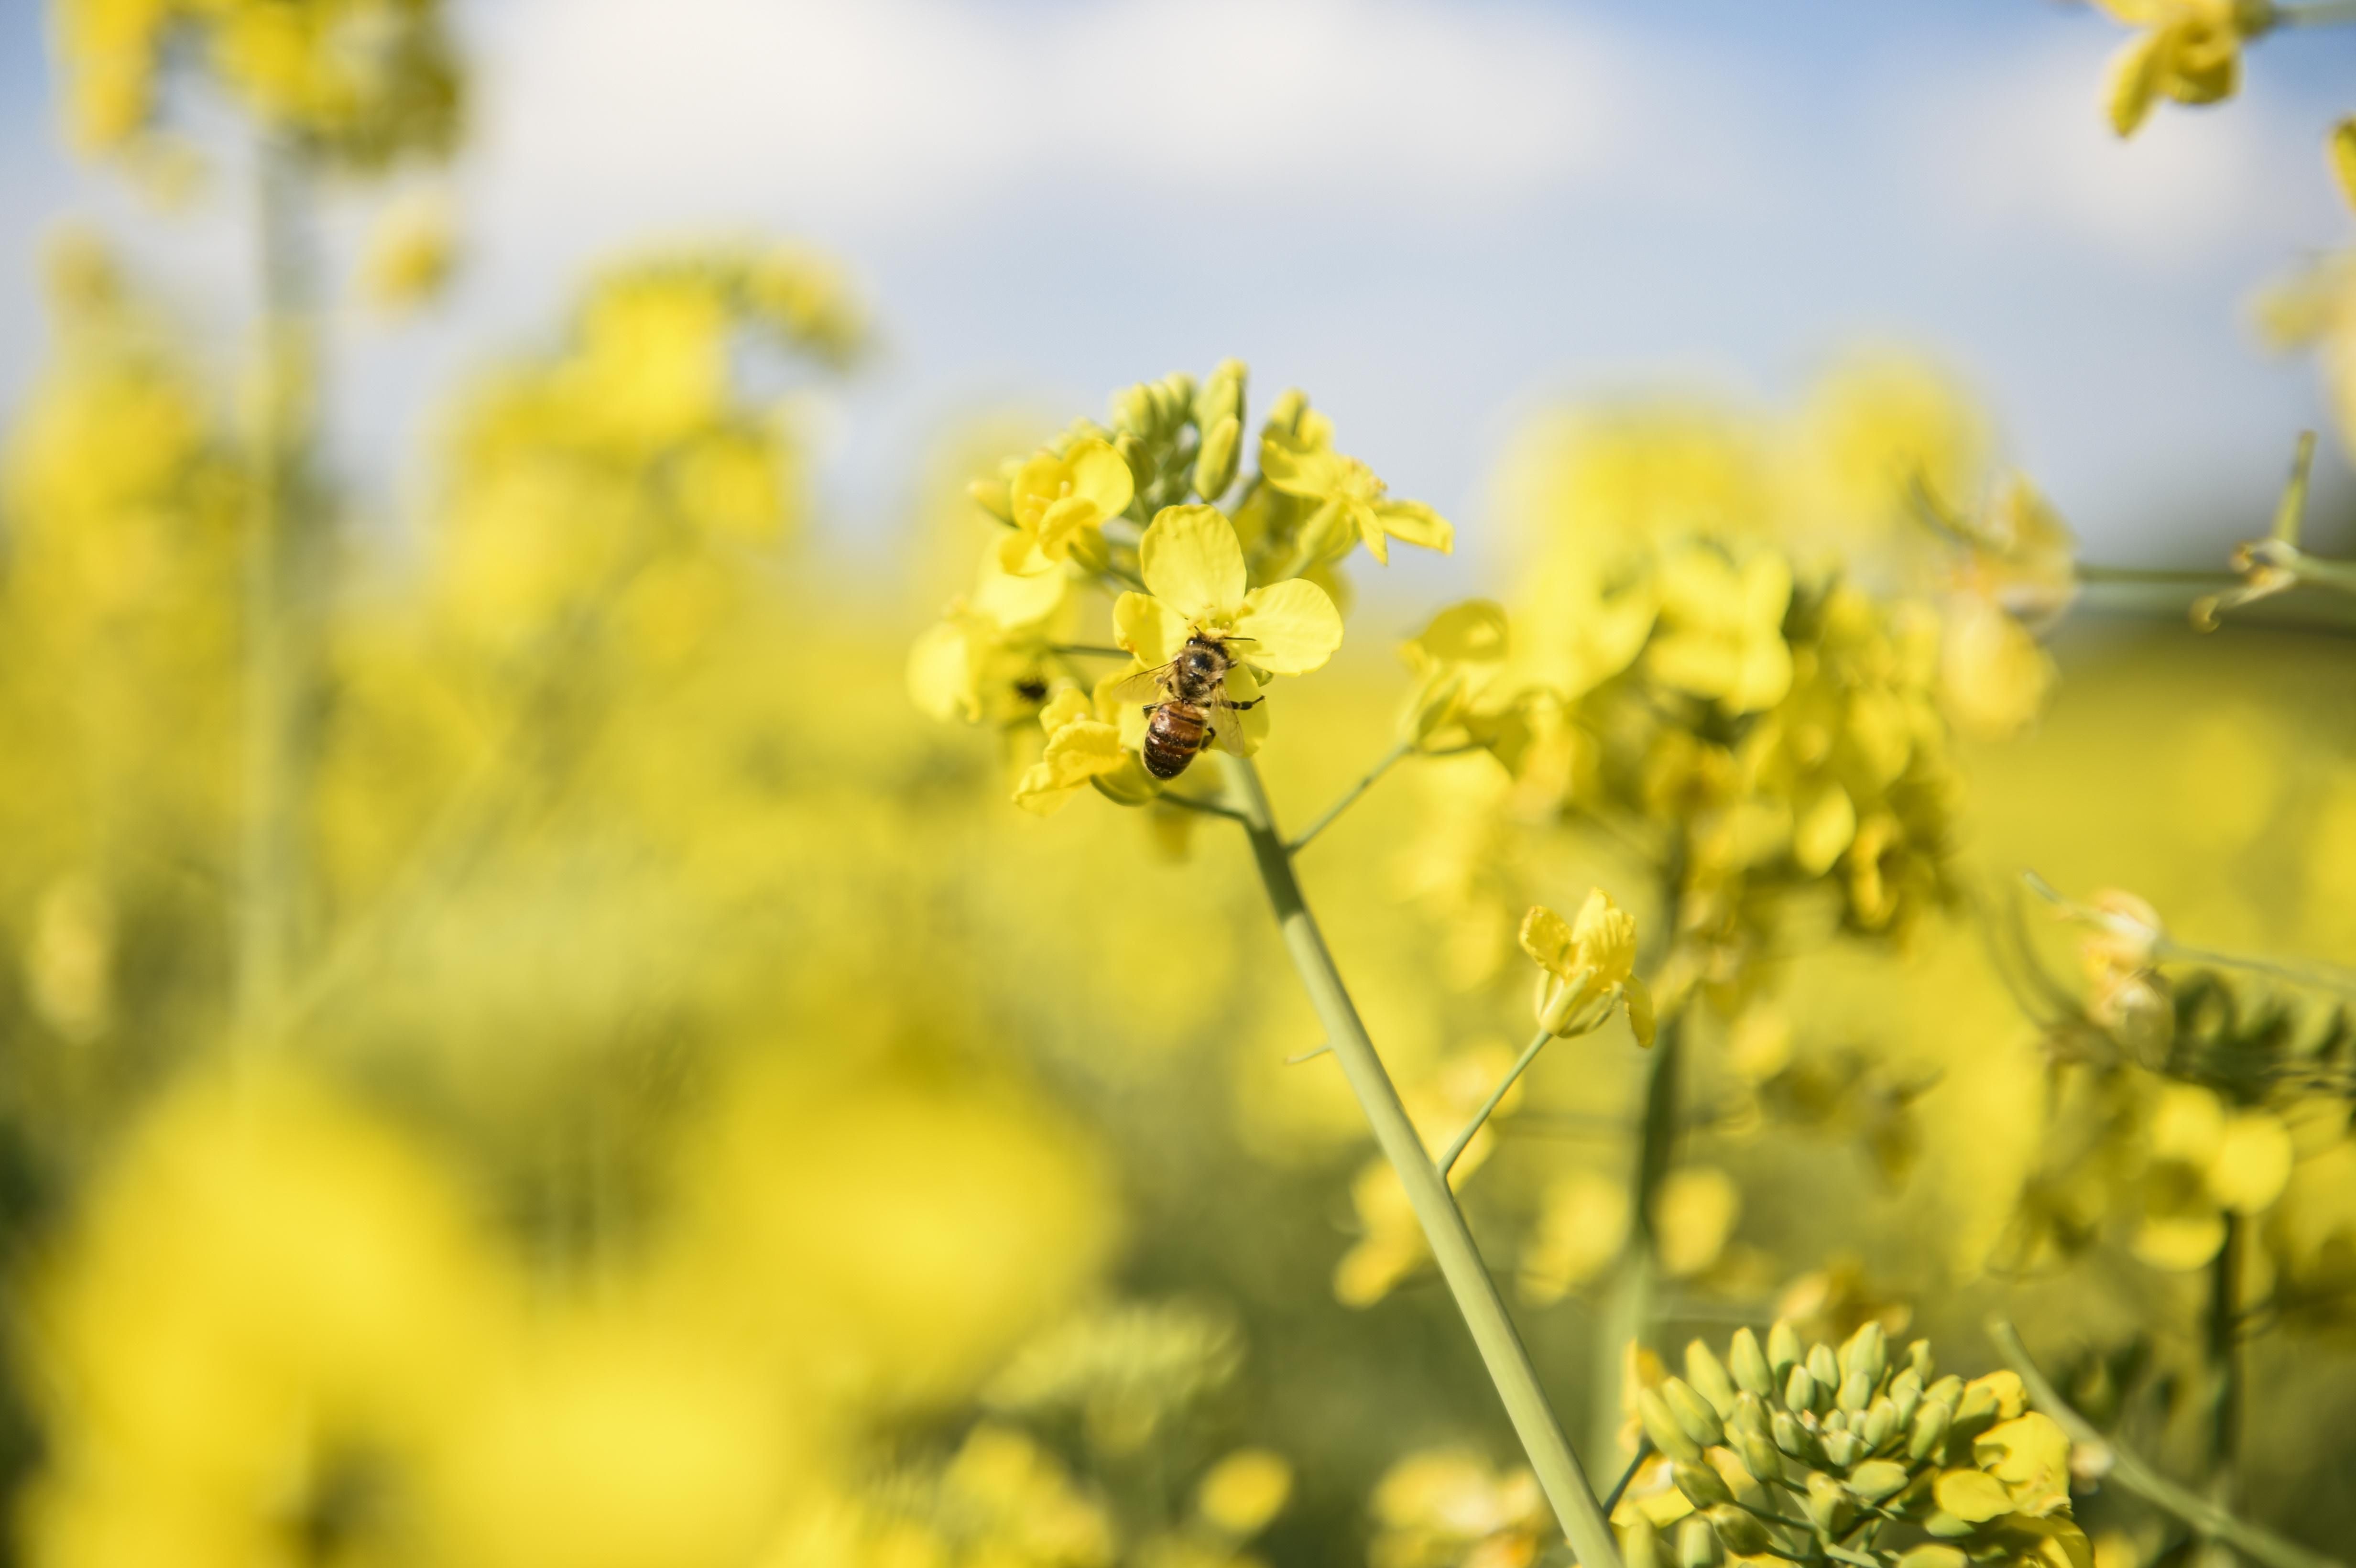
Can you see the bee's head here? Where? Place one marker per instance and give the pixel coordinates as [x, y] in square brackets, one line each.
[1203, 659]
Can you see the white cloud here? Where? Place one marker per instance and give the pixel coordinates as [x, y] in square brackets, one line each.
[2022, 147]
[896, 113]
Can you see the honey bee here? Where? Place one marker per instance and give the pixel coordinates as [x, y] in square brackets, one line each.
[1190, 707]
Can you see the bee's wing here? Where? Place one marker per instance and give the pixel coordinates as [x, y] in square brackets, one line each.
[1227, 727]
[1145, 686]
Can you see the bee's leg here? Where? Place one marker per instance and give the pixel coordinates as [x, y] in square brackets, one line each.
[1255, 702]
[1149, 708]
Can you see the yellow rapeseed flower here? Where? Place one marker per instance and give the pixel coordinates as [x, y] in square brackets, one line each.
[1058, 501]
[2189, 51]
[1590, 967]
[988, 657]
[1722, 628]
[1352, 504]
[1085, 746]
[2341, 149]
[1196, 586]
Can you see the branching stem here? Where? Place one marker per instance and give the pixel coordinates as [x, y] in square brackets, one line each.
[1350, 797]
[2136, 1476]
[1557, 1468]
[1480, 1116]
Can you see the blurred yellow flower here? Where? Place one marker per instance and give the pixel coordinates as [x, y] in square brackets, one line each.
[2189, 51]
[1352, 505]
[1240, 1494]
[1588, 967]
[1059, 500]
[411, 256]
[2340, 149]
[1582, 1225]
[1448, 1510]
[1721, 634]
[990, 656]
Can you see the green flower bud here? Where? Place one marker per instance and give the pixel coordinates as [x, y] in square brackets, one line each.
[1758, 1456]
[1906, 1393]
[1878, 1478]
[1856, 1391]
[1924, 1556]
[1176, 393]
[1947, 1527]
[1830, 1506]
[1947, 1391]
[1880, 1419]
[1701, 1484]
[1134, 411]
[1749, 1365]
[1738, 1531]
[1693, 1412]
[1284, 414]
[1222, 396]
[1697, 1543]
[1708, 1375]
[1868, 1351]
[1792, 1438]
[1215, 464]
[1843, 1449]
[1824, 1366]
[1748, 1414]
[1800, 1391]
[1782, 1349]
[1918, 1357]
[1639, 1544]
[1662, 1427]
[1930, 1432]
[1835, 1420]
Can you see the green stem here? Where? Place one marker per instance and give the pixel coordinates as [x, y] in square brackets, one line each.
[2221, 1341]
[1480, 1116]
[2322, 14]
[1557, 1468]
[2137, 1476]
[279, 555]
[1350, 797]
[1090, 650]
[2156, 577]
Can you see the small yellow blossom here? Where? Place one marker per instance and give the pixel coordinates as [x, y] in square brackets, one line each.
[1194, 578]
[1721, 633]
[2190, 50]
[1058, 501]
[1085, 746]
[1244, 1491]
[1456, 660]
[1352, 505]
[1589, 967]
[988, 657]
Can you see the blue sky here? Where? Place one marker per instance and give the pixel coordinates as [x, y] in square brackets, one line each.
[1436, 215]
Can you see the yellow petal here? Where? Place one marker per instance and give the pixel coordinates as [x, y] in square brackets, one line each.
[1414, 523]
[940, 673]
[2136, 74]
[1762, 677]
[1017, 599]
[1295, 469]
[2031, 1455]
[1100, 477]
[2179, 1241]
[1068, 705]
[1972, 1495]
[1826, 822]
[1603, 938]
[1639, 997]
[2341, 150]
[1545, 937]
[2253, 1162]
[1191, 562]
[1470, 632]
[1695, 1215]
[1368, 525]
[1293, 627]
[1146, 627]
[1074, 755]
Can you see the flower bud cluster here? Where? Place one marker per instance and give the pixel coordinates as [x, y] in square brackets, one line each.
[1803, 1451]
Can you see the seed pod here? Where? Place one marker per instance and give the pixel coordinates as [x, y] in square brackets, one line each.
[1215, 464]
[1800, 1391]
[1880, 1419]
[1856, 1391]
[1824, 1366]
[1918, 1357]
[1708, 1375]
[1878, 1478]
[1701, 1484]
[1782, 1349]
[1641, 1546]
[1929, 1431]
[1663, 1429]
[1698, 1543]
[1749, 1365]
[1866, 1351]
[1738, 1529]
[1693, 1412]
[1748, 1414]
[1906, 1392]
[1830, 1506]
[1843, 1449]
[1760, 1457]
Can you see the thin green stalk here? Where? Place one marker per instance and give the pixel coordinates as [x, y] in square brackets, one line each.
[2221, 1342]
[1350, 797]
[1481, 1117]
[2136, 1476]
[279, 555]
[2322, 14]
[2154, 576]
[1557, 1468]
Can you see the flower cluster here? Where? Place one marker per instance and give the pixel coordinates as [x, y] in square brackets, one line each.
[1119, 538]
[1808, 1453]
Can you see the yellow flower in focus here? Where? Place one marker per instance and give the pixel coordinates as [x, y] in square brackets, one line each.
[1589, 967]
[411, 256]
[1352, 505]
[1085, 746]
[1058, 501]
[2190, 50]
[1193, 570]
[1721, 634]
